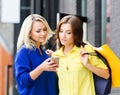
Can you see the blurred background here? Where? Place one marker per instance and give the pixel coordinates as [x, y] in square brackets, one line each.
[101, 24]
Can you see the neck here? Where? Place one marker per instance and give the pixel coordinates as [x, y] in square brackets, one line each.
[37, 45]
[67, 49]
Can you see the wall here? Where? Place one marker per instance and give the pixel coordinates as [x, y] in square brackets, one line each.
[5, 60]
[115, 26]
[91, 21]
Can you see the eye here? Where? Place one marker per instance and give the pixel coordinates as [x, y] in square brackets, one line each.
[69, 32]
[38, 31]
[45, 29]
[61, 31]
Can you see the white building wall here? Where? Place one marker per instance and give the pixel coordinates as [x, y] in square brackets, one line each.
[6, 34]
[91, 21]
[67, 6]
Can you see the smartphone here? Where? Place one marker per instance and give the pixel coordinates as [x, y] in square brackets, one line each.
[56, 59]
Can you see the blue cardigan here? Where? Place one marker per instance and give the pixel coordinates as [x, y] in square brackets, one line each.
[27, 60]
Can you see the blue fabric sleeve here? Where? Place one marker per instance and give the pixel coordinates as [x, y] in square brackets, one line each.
[23, 68]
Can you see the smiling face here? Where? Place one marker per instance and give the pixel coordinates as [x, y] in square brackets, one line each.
[38, 32]
[66, 35]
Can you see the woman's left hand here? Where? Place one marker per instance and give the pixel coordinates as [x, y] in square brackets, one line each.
[84, 57]
[49, 52]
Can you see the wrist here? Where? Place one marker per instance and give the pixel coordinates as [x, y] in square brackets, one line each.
[88, 65]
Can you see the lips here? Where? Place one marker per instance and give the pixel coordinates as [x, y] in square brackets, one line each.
[42, 37]
[63, 40]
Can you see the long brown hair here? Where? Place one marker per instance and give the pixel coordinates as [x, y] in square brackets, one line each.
[77, 29]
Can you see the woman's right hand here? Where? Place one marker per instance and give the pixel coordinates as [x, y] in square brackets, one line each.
[49, 65]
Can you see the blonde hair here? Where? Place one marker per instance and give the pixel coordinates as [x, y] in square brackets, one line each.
[24, 38]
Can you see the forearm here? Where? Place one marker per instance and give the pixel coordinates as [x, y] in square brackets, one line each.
[36, 72]
[99, 71]
[47, 65]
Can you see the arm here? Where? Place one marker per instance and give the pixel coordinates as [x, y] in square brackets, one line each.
[98, 71]
[23, 73]
[47, 65]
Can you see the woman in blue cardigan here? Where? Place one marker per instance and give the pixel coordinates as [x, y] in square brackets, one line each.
[34, 69]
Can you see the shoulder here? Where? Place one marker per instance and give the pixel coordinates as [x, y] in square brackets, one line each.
[89, 47]
[58, 52]
[23, 51]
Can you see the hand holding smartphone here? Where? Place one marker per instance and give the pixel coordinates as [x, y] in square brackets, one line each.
[56, 59]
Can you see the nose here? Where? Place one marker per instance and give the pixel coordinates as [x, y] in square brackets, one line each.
[42, 32]
[63, 35]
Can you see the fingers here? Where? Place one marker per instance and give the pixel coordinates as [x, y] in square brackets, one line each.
[49, 52]
[82, 51]
[48, 60]
[50, 65]
[53, 67]
[81, 47]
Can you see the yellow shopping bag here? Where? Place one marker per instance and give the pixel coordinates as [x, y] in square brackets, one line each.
[113, 61]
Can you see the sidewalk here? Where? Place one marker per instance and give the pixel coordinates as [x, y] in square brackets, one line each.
[115, 91]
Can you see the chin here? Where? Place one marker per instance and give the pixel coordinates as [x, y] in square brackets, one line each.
[63, 43]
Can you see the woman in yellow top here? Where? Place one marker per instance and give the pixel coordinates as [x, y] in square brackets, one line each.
[76, 69]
